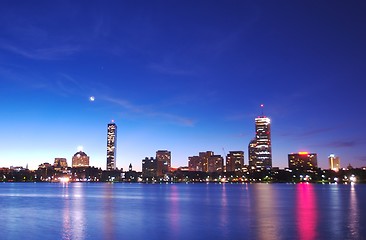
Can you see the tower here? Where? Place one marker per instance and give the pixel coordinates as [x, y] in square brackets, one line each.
[334, 162]
[111, 146]
[260, 149]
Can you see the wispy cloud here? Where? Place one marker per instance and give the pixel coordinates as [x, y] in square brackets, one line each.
[49, 53]
[308, 133]
[341, 144]
[149, 111]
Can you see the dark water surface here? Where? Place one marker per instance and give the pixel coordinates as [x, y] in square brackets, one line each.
[182, 211]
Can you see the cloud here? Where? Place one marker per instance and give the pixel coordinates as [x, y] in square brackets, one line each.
[148, 111]
[342, 144]
[308, 133]
[50, 53]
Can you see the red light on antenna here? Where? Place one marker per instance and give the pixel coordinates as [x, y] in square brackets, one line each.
[262, 105]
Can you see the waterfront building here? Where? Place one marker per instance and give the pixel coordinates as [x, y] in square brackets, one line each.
[163, 158]
[263, 148]
[80, 159]
[334, 162]
[215, 163]
[111, 146]
[206, 162]
[149, 167]
[303, 161]
[204, 158]
[60, 163]
[234, 161]
[252, 162]
[40, 166]
[195, 163]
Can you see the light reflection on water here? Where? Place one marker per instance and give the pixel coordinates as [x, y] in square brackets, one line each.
[306, 212]
[265, 207]
[353, 217]
[182, 211]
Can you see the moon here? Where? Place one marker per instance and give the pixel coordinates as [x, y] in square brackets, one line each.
[91, 98]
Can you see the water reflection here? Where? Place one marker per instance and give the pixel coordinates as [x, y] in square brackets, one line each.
[74, 212]
[306, 211]
[335, 210]
[174, 211]
[353, 216]
[108, 210]
[266, 211]
[66, 224]
[224, 210]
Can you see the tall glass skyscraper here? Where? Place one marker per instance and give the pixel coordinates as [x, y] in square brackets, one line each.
[263, 146]
[111, 146]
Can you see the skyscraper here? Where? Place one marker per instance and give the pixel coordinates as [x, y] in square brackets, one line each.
[334, 162]
[111, 146]
[260, 149]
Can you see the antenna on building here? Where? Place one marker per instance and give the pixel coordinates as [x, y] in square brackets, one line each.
[262, 107]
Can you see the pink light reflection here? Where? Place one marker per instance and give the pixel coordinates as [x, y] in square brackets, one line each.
[306, 210]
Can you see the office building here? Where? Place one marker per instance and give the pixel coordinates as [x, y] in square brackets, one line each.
[111, 146]
[80, 159]
[163, 158]
[234, 161]
[60, 163]
[263, 149]
[252, 160]
[334, 162]
[215, 163]
[206, 162]
[149, 167]
[195, 163]
[302, 161]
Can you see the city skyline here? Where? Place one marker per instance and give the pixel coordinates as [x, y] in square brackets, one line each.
[183, 76]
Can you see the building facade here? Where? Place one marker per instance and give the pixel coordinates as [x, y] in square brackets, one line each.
[111, 146]
[263, 146]
[163, 158]
[195, 163]
[302, 161]
[206, 162]
[334, 162]
[60, 163]
[80, 159]
[252, 160]
[215, 163]
[149, 167]
[234, 161]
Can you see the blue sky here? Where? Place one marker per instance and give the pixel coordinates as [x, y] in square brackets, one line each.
[186, 76]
